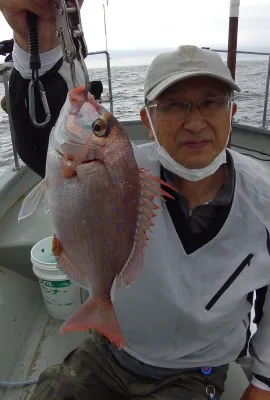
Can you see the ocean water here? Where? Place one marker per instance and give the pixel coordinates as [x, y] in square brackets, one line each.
[127, 86]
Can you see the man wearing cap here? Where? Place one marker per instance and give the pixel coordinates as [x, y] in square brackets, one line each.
[187, 315]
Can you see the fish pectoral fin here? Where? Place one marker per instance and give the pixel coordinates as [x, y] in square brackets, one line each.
[32, 200]
[149, 190]
[57, 247]
[99, 315]
[67, 267]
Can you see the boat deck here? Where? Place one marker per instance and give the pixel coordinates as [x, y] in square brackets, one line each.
[30, 341]
[44, 347]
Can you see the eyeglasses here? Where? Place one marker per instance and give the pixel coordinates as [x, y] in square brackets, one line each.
[178, 110]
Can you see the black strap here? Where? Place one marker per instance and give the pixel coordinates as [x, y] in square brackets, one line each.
[193, 241]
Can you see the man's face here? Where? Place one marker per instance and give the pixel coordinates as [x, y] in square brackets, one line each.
[193, 140]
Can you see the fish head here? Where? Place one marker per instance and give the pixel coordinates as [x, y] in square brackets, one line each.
[87, 132]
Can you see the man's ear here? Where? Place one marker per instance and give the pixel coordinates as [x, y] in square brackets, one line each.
[234, 109]
[145, 122]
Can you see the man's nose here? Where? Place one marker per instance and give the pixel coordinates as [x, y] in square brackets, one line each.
[194, 121]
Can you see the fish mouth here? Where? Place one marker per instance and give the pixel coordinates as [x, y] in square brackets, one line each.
[88, 161]
[91, 161]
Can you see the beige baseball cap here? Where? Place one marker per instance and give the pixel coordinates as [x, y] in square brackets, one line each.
[185, 62]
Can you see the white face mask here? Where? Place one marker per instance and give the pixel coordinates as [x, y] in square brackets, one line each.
[193, 175]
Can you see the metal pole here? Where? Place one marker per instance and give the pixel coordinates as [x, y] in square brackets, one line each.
[233, 33]
[12, 131]
[232, 41]
[242, 52]
[105, 28]
[109, 73]
[109, 81]
[266, 95]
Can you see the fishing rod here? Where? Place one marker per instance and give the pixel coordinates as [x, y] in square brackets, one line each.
[105, 27]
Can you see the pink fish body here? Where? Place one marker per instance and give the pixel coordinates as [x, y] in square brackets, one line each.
[101, 205]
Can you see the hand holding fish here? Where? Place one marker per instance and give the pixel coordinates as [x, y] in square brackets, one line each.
[15, 13]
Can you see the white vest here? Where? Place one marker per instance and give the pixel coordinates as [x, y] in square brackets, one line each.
[178, 314]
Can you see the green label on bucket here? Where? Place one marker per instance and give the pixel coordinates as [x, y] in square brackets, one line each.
[56, 284]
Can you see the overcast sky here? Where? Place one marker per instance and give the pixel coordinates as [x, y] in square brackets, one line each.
[154, 24]
[168, 23]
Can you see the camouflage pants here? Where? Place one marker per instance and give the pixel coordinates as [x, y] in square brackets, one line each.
[92, 373]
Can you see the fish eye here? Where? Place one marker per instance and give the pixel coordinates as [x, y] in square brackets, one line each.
[99, 127]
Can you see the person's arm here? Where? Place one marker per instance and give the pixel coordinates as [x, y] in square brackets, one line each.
[31, 142]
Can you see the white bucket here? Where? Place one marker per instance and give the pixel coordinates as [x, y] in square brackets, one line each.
[61, 297]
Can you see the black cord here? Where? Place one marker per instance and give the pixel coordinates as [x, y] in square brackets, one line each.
[35, 85]
[35, 63]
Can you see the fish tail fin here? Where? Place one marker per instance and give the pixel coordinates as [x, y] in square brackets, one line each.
[95, 314]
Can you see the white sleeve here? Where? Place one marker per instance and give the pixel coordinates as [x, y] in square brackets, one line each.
[21, 60]
[21, 63]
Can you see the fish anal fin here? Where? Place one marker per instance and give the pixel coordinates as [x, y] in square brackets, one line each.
[67, 267]
[32, 200]
[99, 315]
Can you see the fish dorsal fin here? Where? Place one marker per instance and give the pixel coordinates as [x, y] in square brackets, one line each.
[150, 188]
[32, 200]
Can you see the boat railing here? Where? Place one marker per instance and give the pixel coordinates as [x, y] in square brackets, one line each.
[266, 96]
[110, 98]
[6, 68]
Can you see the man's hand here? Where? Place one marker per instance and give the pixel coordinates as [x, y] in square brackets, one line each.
[254, 393]
[15, 13]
